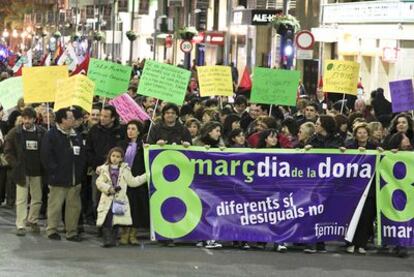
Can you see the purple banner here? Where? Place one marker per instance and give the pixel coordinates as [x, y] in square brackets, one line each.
[248, 195]
[402, 95]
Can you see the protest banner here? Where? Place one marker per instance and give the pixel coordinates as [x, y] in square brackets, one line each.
[11, 90]
[39, 83]
[128, 109]
[395, 199]
[275, 86]
[402, 95]
[341, 77]
[215, 80]
[164, 81]
[272, 195]
[111, 79]
[75, 91]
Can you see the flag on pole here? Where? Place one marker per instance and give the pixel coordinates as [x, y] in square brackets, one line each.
[59, 51]
[25, 60]
[82, 68]
[246, 81]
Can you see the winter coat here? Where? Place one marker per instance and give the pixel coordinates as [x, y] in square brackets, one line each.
[104, 184]
[333, 141]
[99, 141]
[14, 152]
[61, 159]
[175, 134]
[353, 144]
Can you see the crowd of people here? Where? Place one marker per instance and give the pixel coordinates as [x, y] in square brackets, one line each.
[88, 168]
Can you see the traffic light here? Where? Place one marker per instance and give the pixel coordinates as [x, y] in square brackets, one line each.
[287, 48]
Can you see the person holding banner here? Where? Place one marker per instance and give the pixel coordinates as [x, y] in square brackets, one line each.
[269, 139]
[326, 134]
[210, 137]
[364, 231]
[325, 137]
[169, 130]
[138, 197]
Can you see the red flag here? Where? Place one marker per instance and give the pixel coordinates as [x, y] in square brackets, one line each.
[12, 60]
[82, 68]
[42, 61]
[18, 72]
[245, 81]
[59, 51]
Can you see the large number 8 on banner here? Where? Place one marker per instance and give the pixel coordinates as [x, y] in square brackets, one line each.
[179, 188]
[393, 183]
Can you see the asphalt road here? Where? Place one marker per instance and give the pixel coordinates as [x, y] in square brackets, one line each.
[35, 255]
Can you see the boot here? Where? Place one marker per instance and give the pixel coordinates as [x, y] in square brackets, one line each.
[133, 236]
[107, 237]
[124, 236]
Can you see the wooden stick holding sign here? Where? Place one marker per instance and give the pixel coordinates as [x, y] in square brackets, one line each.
[343, 104]
[152, 118]
[48, 116]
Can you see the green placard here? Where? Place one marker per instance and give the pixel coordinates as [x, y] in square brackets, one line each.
[11, 90]
[111, 79]
[164, 81]
[275, 86]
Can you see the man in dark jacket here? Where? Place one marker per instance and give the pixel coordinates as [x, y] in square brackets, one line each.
[103, 136]
[22, 151]
[169, 130]
[64, 159]
[100, 139]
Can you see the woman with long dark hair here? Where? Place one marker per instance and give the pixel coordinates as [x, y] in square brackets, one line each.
[138, 197]
[402, 123]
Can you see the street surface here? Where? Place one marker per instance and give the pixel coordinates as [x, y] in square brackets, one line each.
[35, 255]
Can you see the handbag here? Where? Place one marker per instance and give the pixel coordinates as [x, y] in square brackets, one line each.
[118, 207]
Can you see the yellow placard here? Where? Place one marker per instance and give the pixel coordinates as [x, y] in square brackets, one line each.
[341, 77]
[215, 80]
[77, 90]
[39, 83]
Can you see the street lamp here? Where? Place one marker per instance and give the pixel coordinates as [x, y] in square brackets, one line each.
[15, 34]
[5, 33]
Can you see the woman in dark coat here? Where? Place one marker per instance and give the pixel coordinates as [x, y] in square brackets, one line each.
[326, 137]
[138, 197]
[326, 134]
[365, 226]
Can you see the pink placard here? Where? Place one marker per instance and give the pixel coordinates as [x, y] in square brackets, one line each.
[128, 109]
